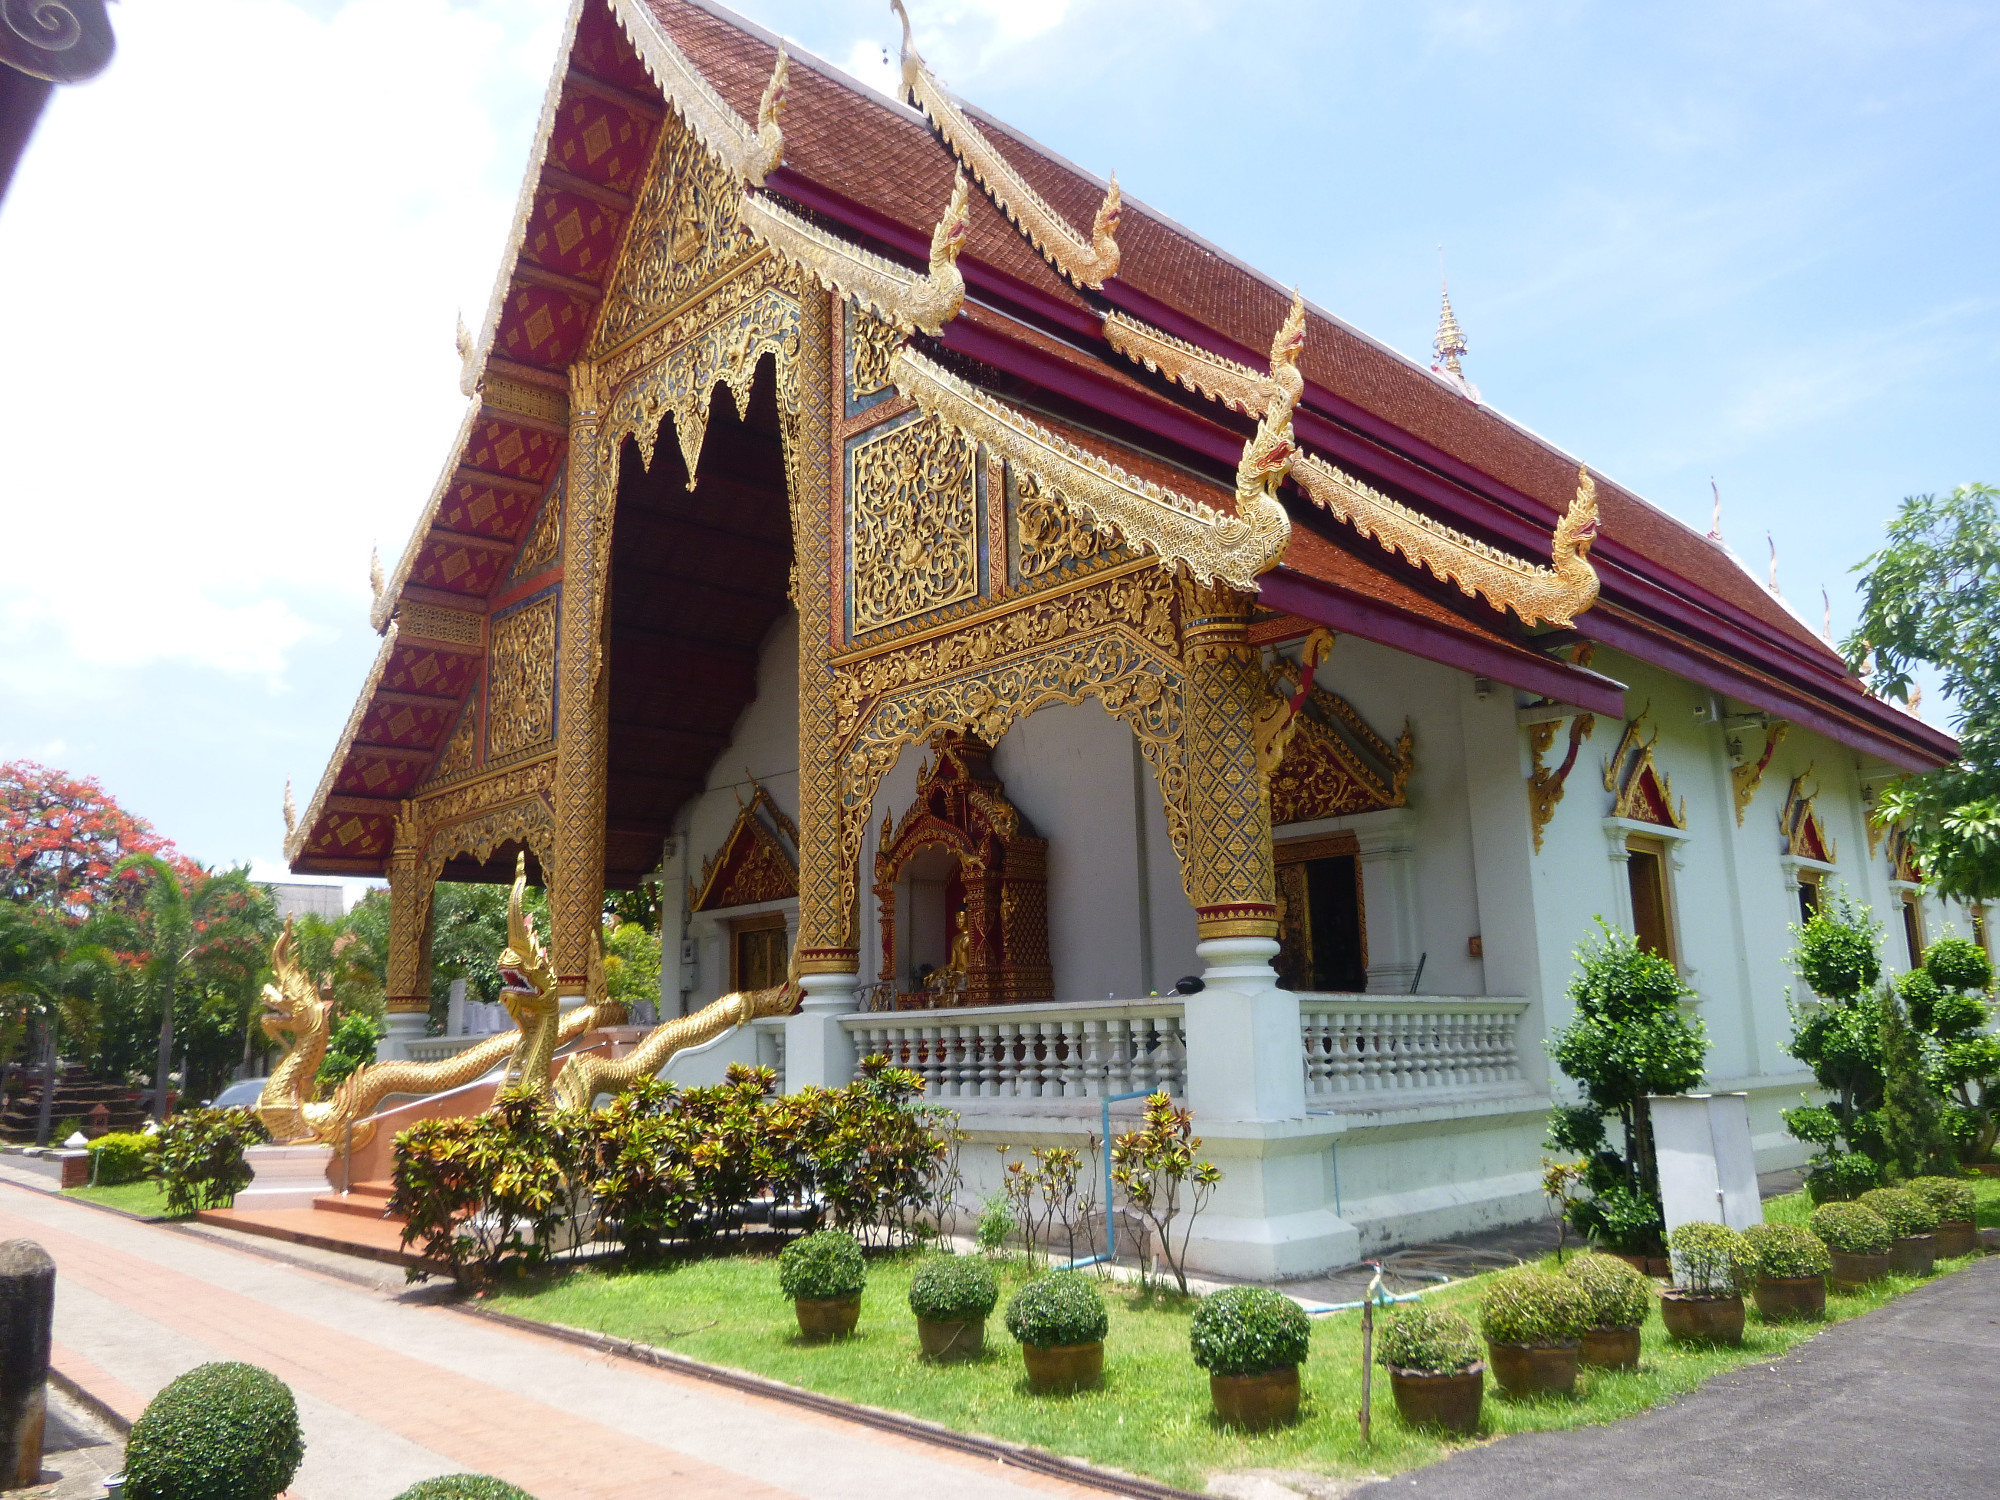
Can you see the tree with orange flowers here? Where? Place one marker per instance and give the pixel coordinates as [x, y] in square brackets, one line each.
[61, 838]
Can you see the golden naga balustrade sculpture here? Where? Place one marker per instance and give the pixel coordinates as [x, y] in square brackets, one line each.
[1556, 594]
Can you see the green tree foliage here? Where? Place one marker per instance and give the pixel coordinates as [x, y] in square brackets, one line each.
[1931, 598]
[632, 964]
[351, 1046]
[1628, 1040]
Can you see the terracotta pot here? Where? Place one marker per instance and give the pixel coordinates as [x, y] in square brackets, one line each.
[1913, 1254]
[1610, 1348]
[1955, 1237]
[1706, 1320]
[1648, 1265]
[823, 1318]
[1852, 1272]
[965, 1339]
[1790, 1299]
[1269, 1398]
[1063, 1367]
[1533, 1369]
[1447, 1401]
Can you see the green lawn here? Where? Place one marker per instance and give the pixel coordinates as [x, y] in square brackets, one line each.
[134, 1197]
[1794, 1209]
[1152, 1414]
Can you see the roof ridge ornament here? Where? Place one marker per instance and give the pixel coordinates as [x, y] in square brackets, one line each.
[897, 294]
[1449, 342]
[751, 152]
[1212, 545]
[1088, 263]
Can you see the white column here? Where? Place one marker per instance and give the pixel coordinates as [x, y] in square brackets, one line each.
[1388, 855]
[454, 1013]
[817, 1047]
[404, 1027]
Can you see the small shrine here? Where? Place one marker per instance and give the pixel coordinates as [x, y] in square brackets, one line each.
[963, 889]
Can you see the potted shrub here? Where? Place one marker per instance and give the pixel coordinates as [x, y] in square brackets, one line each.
[1534, 1323]
[1957, 1231]
[823, 1274]
[1791, 1271]
[1911, 1221]
[1435, 1372]
[1857, 1242]
[952, 1296]
[464, 1487]
[1251, 1340]
[1060, 1321]
[1712, 1265]
[1619, 1299]
[219, 1432]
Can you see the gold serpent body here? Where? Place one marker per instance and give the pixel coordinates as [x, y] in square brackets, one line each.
[583, 1078]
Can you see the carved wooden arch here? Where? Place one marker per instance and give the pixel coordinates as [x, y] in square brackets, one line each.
[962, 808]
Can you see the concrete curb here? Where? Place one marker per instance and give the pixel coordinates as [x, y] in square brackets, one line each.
[1014, 1455]
[92, 1404]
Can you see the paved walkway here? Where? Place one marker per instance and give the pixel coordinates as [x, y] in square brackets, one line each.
[396, 1388]
[1896, 1404]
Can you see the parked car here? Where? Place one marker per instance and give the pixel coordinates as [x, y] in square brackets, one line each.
[241, 1094]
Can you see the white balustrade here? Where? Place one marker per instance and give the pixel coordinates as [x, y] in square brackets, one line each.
[1357, 1046]
[428, 1049]
[770, 1034]
[1043, 1051]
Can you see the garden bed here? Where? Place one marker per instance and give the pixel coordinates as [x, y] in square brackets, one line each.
[1152, 1413]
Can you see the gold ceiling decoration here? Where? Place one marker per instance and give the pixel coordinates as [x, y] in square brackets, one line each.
[1179, 530]
[1088, 263]
[895, 293]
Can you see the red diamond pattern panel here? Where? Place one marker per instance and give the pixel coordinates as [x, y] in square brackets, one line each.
[462, 569]
[351, 836]
[542, 327]
[476, 509]
[506, 449]
[572, 235]
[415, 669]
[601, 49]
[404, 726]
[370, 775]
[600, 141]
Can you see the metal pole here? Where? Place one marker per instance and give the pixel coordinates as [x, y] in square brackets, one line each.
[1104, 1125]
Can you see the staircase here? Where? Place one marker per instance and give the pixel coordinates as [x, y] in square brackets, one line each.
[77, 1094]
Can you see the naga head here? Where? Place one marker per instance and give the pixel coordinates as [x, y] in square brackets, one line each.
[950, 235]
[1104, 228]
[525, 974]
[292, 1006]
[1577, 528]
[911, 62]
[1290, 340]
[772, 105]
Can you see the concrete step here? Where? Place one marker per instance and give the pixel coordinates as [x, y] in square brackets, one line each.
[367, 1200]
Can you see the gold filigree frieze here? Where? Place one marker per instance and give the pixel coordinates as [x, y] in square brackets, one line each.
[1177, 529]
[1048, 535]
[538, 403]
[522, 676]
[1088, 263]
[1236, 386]
[905, 299]
[461, 749]
[542, 548]
[435, 622]
[914, 522]
[874, 344]
[752, 864]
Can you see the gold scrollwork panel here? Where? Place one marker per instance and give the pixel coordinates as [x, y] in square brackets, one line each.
[914, 522]
[522, 673]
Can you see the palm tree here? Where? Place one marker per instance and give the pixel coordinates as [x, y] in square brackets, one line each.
[50, 970]
[187, 926]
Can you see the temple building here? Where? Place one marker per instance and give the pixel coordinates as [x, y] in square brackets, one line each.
[1092, 667]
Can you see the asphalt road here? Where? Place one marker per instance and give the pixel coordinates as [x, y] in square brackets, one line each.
[1900, 1404]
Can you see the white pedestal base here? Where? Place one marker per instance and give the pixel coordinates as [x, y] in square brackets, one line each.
[285, 1176]
[404, 1027]
[817, 1048]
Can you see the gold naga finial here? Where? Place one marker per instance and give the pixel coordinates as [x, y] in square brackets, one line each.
[523, 964]
[376, 582]
[1450, 341]
[770, 132]
[291, 809]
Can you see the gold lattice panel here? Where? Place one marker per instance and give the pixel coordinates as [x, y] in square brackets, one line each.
[914, 523]
[522, 677]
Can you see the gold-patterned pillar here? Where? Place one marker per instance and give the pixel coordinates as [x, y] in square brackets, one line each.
[1230, 876]
[408, 980]
[575, 872]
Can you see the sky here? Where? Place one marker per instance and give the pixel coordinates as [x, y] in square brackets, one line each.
[1752, 242]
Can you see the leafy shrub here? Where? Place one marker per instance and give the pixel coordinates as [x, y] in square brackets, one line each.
[822, 1267]
[1246, 1330]
[1429, 1340]
[219, 1432]
[996, 1222]
[1851, 1228]
[1711, 1260]
[350, 1047]
[1153, 1165]
[119, 1157]
[1619, 1296]
[464, 1487]
[1057, 1309]
[1837, 951]
[1905, 1213]
[953, 1288]
[1528, 1306]
[1958, 964]
[1787, 1252]
[1839, 1177]
[198, 1157]
[1951, 1200]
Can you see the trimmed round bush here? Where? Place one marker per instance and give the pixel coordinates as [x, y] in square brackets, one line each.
[953, 1289]
[1842, 1178]
[464, 1487]
[822, 1267]
[1950, 1199]
[1958, 964]
[1711, 1260]
[1906, 1213]
[1851, 1228]
[1246, 1330]
[1527, 1306]
[220, 1432]
[1429, 1340]
[1786, 1252]
[119, 1157]
[1619, 1296]
[1056, 1310]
